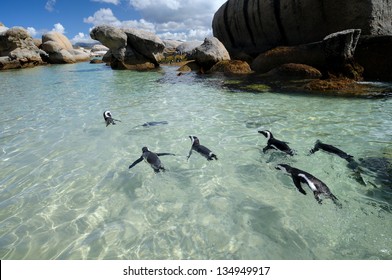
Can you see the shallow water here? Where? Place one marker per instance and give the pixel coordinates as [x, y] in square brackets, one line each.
[66, 191]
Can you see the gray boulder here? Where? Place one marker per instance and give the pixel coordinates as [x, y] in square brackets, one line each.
[18, 50]
[255, 26]
[145, 43]
[209, 53]
[129, 48]
[60, 49]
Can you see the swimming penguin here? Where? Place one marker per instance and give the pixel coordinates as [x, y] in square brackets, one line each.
[273, 143]
[152, 159]
[204, 151]
[108, 118]
[330, 149]
[317, 186]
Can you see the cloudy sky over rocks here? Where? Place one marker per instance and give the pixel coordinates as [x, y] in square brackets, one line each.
[170, 19]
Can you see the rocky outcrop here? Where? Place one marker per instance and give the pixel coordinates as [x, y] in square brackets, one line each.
[293, 71]
[18, 50]
[331, 55]
[231, 67]
[60, 49]
[129, 48]
[209, 53]
[255, 26]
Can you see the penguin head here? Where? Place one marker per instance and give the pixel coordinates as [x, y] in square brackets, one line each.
[266, 133]
[145, 149]
[283, 167]
[107, 114]
[195, 140]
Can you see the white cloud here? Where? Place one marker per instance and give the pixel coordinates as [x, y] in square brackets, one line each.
[146, 4]
[139, 24]
[58, 27]
[32, 31]
[50, 5]
[82, 38]
[103, 16]
[115, 2]
[186, 20]
[106, 16]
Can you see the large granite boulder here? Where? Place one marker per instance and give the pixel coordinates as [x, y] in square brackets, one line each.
[18, 50]
[333, 54]
[129, 48]
[209, 53]
[60, 49]
[255, 26]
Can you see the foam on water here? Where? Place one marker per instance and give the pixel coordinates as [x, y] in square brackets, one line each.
[66, 191]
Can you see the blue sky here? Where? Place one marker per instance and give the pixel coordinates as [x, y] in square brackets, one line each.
[170, 19]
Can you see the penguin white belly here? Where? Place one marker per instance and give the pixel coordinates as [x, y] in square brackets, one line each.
[309, 182]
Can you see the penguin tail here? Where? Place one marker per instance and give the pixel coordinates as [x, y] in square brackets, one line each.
[336, 201]
[349, 158]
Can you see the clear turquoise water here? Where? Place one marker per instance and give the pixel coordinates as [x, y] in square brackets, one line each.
[66, 191]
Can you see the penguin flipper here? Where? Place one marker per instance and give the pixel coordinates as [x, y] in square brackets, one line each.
[297, 183]
[336, 201]
[266, 148]
[190, 153]
[136, 162]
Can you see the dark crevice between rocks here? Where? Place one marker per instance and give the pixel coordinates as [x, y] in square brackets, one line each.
[226, 21]
[246, 18]
[279, 22]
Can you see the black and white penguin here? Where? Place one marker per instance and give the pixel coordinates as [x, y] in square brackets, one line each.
[204, 151]
[331, 149]
[108, 118]
[152, 159]
[273, 143]
[318, 187]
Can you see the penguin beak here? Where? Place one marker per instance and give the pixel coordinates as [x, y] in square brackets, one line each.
[262, 132]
